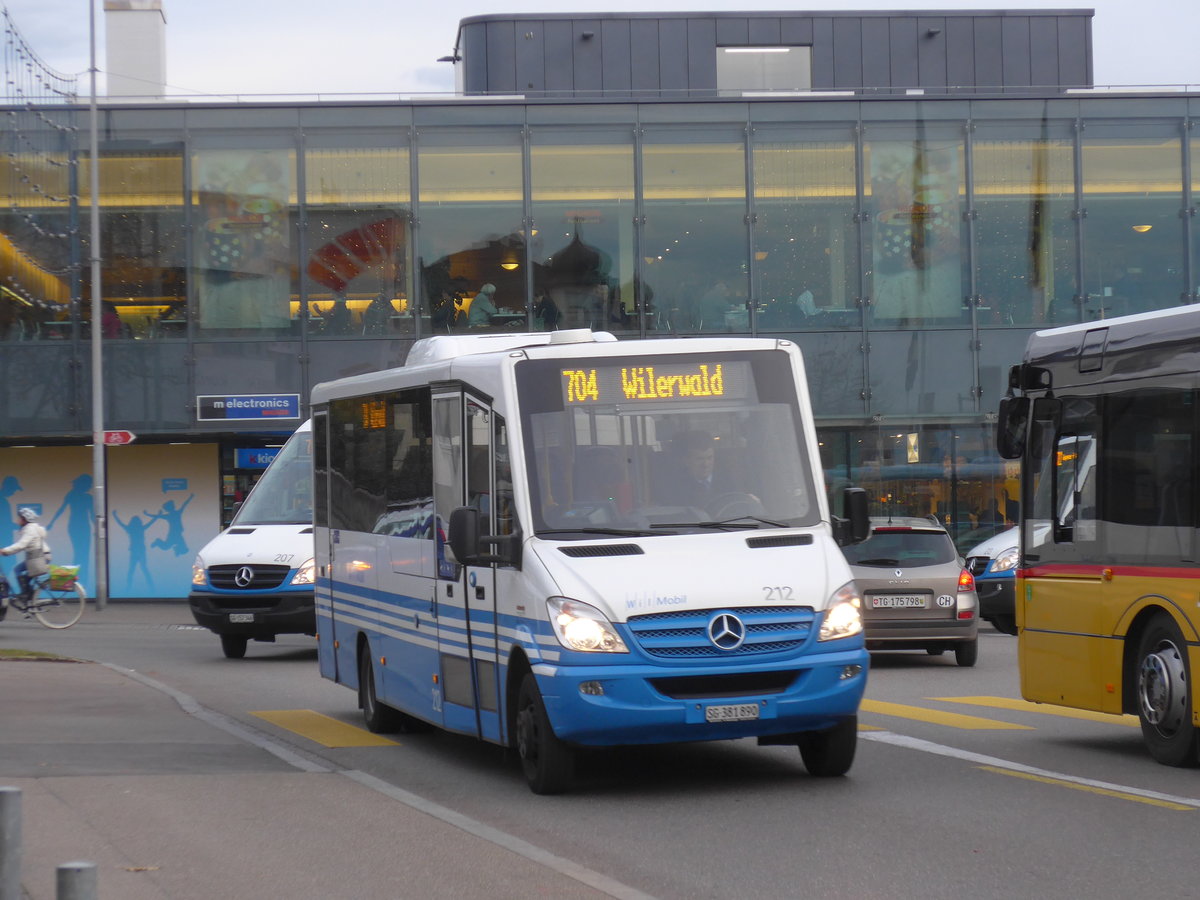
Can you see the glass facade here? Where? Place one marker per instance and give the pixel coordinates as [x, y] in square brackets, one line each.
[908, 245]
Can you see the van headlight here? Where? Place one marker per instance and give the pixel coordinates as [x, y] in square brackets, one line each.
[1006, 560]
[198, 576]
[305, 575]
[580, 626]
[843, 617]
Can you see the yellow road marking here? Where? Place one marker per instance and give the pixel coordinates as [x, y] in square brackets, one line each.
[322, 729]
[937, 717]
[1104, 792]
[862, 727]
[1047, 709]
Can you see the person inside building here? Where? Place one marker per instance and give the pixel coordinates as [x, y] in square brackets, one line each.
[32, 540]
[483, 307]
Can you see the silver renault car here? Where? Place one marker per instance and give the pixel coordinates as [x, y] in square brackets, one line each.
[916, 591]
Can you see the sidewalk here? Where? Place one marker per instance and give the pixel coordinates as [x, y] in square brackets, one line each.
[168, 805]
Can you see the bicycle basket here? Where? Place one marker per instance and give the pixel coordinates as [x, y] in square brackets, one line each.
[62, 578]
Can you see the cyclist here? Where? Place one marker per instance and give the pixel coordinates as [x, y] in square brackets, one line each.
[31, 539]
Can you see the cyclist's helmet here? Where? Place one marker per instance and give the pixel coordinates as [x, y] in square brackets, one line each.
[27, 514]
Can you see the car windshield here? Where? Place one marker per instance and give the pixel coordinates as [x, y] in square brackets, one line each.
[902, 548]
[283, 496]
[663, 444]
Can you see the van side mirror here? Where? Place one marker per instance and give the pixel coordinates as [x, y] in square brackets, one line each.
[854, 526]
[1012, 426]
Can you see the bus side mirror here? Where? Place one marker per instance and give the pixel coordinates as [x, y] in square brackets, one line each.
[1012, 426]
[855, 526]
[463, 534]
[466, 543]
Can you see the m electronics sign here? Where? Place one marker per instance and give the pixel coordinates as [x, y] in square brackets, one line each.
[243, 407]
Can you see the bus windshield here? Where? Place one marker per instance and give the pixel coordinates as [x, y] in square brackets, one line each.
[283, 496]
[663, 444]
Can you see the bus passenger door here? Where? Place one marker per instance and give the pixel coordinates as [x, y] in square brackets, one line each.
[466, 682]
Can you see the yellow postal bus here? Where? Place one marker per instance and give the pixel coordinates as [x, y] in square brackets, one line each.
[1104, 418]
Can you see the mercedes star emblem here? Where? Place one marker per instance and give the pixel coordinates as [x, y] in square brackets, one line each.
[243, 577]
[726, 631]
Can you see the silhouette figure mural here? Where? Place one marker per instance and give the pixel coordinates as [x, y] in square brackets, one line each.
[173, 516]
[135, 531]
[79, 508]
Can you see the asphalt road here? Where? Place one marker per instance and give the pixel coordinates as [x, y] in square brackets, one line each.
[959, 789]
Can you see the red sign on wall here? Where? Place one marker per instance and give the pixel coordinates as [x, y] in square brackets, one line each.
[116, 438]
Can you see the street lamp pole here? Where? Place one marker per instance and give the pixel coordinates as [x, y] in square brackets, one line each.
[99, 500]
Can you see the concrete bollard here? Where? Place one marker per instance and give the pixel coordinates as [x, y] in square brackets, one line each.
[10, 843]
[76, 881]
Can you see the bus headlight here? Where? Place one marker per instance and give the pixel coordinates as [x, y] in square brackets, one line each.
[843, 617]
[198, 576]
[579, 626]
[1006, 560]
[305, 574]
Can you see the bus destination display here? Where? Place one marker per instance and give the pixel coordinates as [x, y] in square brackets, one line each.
[672, 383]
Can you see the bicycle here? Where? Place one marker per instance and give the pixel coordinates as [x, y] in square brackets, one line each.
[56, 599]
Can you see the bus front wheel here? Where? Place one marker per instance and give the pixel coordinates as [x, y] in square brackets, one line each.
[548, 763]
[1164, 695]
[830, 753]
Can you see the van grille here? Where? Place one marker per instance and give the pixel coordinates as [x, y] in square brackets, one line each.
[262, 578]
[684, 634]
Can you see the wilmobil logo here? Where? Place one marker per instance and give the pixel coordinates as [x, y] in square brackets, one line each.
[648, 600]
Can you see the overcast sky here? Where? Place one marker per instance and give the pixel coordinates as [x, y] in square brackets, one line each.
[249, 47]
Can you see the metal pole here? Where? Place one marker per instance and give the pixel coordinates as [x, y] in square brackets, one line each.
[10, 843]
[99, 501]
[76, 881]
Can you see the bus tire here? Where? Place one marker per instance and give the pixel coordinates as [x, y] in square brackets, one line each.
[379, 717]
[234, 646]
[548, 763]
[966, 653]
[830, 753]
[1164, 695]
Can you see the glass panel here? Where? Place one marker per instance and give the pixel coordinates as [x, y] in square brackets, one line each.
[1133, 192]
[921, 373]
[695, 244]
[244, 214]
[39, 256]
[357, 207]
[915, 184]
[583, 242]
[763, 69]
[1025, 231]
[1194, 149]
[472, 245]
[805, 244]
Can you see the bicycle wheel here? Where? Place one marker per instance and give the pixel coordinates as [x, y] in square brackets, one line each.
[58, 609]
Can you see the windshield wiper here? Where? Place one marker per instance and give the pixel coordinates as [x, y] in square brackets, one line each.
[622, 532]
[878, 561]
[736, 522]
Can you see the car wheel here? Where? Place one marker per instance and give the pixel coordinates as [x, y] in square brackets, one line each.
[966, 653]
[548, 763]
[234, 645]
[1005, 624]
[1164, 695]
[830, 753]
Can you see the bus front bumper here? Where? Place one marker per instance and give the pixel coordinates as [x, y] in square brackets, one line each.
[615, 705]
[256, 615]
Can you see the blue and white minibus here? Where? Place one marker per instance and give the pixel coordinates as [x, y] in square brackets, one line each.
[511, 543]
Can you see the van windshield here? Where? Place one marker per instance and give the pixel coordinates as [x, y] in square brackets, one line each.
[283, 496]
[663, 444]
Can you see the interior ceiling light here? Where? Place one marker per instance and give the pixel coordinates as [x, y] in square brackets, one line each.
[1142, 229]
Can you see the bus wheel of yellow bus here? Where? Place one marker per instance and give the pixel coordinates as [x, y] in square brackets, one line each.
[830, 753]
[548, 763]
[1164, 695]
